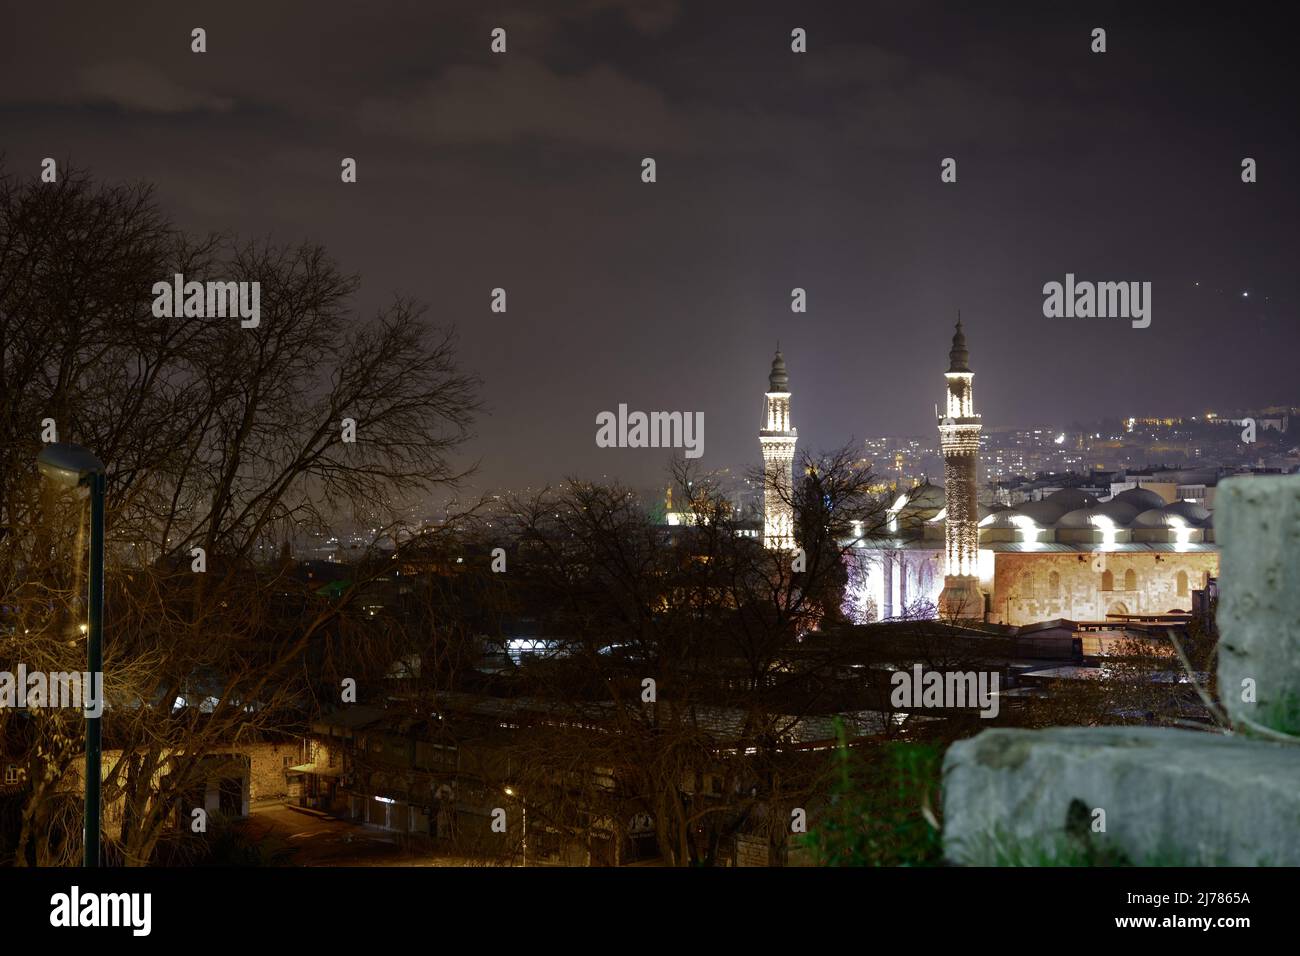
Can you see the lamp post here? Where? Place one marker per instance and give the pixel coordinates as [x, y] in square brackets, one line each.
[74, 466]
[523, 812]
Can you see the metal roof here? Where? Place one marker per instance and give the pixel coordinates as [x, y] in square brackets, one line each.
[1056, 547]
[1042, 547]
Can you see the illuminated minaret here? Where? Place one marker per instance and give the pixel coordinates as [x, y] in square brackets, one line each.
[777, 438]
[959, 437]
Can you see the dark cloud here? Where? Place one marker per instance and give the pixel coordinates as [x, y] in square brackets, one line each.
[775, 170]
[133, 85]
[520, 99]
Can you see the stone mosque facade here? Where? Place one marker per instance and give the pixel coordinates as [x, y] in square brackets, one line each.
[1069, 556]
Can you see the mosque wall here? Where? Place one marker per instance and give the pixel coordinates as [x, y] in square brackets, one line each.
[1028, 588]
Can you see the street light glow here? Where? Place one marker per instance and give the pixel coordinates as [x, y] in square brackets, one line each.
[68, 464]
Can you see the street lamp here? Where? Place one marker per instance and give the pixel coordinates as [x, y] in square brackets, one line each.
[74, 466]
[523, 811]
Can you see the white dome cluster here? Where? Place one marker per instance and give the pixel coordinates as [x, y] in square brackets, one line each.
[1071, 516]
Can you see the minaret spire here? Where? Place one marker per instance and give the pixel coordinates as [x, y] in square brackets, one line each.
[777, 438]
[959, 357]
[959, 437]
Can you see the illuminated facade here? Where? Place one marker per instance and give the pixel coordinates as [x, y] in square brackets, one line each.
[1066, 556]
[777, 438]
[959, 438]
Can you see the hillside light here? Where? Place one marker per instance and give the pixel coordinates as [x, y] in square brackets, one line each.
[71, 466]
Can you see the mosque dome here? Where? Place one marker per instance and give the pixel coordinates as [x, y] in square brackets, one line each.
[1116, 513]
[1084, 518]
[1071, 498]
[1141, 499]
[1157, 518]
[1043, 513]
[1120, 512]
[924, 497]
[1194, 514]
[1006, 519]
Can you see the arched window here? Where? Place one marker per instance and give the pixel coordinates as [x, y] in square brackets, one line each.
[1054, 584]
[1130, 580]
[1107, 581]
[1026, 584]
[1182, 583]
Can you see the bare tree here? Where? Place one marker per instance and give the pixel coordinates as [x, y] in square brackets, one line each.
[216, 437]
[680, 655]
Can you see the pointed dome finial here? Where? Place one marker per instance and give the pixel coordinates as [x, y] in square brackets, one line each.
[959, 357]
[778, 380]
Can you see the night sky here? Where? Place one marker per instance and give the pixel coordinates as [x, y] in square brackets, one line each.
[775, 170]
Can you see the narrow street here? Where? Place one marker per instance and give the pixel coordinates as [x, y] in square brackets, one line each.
[319, 840]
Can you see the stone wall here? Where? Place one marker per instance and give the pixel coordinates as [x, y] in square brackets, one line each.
[264, 766]
[1077, 592]
[259, 766]
[268, 763]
